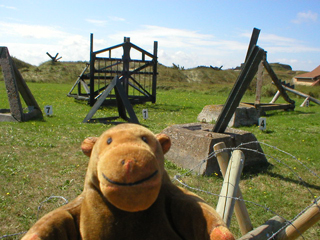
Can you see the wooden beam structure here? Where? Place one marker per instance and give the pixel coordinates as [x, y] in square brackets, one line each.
[246, 75]
[16, 86]
[123, 104]
[139, 75]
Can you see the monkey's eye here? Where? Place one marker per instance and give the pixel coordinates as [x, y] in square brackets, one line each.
[144, 139]
[109, 140]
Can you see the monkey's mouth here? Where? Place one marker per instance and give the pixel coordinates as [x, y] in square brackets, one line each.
[130, 184]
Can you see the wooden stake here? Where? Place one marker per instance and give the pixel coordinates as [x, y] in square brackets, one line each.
[266, 230]
[305, 102]
[240, 209]
[276, 96]
[301, 224]
[230, 186]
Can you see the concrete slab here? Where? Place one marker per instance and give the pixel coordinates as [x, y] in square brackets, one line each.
[245, 115]
[193, 143]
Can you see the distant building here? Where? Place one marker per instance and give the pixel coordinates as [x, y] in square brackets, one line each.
[308, 79]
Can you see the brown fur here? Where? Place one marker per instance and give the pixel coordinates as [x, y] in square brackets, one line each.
[128, 195]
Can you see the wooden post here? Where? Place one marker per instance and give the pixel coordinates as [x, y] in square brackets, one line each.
[301, 224]
[230, 186]
[92, 60]
[305, 103]
[277, 82]
[275, 97]
[266, 230]
[240, 209]
[259, 83]
[253, 41]
[302, 94]
[154, 75]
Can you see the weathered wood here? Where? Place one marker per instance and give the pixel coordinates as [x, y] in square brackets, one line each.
[266, 230]
[245, 77]
[253, 41]
[27, 97]
[79, 80]
[259, 83]
[275, 97]
[302, 94]
[11, 84]
[277, 82]
[15, 84]
[100, 100]
[240, 209]
[230, 186]
[305, 102]
[122, 101]
[301, 224]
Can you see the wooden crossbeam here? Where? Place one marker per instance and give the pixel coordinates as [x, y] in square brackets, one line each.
[123, 104]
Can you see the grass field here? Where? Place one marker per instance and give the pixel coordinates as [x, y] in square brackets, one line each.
[41, 158]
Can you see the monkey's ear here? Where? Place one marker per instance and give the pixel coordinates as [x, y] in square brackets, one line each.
[164, 141]
[87, 145]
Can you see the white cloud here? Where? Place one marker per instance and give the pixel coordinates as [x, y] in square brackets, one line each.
[8, 7]
[31, 42]
[303, 17]
[180, 46]
[275, 39]
[184, 47]
[116, 19]
[96, 22]
[30, 31]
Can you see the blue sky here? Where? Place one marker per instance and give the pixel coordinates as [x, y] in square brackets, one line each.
[189, 33]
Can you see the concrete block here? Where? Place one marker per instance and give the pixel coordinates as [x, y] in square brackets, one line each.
[245, 115]
[193, 143]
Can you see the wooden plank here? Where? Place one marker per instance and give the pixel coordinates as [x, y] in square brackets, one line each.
[126, 103]
[301, 94]
[11, 84]
[101, 99]
[79, 79]
[277, 82]
[24, 90]
[245, 77]
[253, 41]
[230, 186]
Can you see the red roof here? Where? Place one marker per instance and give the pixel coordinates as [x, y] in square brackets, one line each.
[313, 74]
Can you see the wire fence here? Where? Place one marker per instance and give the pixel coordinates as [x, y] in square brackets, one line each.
[179, 179]
[314, 198]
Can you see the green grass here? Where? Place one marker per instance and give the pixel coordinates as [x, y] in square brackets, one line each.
[41, 158]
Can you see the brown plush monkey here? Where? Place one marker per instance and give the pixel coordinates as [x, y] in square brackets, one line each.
[128, 196]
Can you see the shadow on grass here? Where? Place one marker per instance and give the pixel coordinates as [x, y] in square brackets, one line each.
[295, 181]
[265, 168]
[277, 113]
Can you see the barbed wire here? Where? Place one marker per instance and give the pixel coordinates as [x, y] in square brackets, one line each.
[38, 211]
[178, 178]
[49, 198]
[239, 147]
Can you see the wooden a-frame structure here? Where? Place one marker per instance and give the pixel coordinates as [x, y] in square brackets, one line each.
[122, 101]
[255, 60]
[15, 84]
